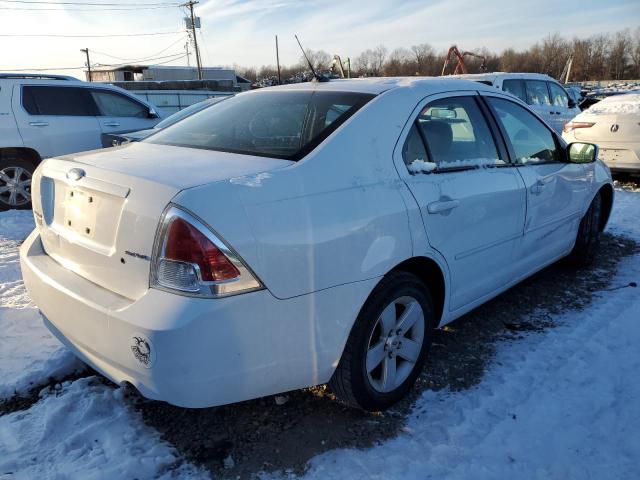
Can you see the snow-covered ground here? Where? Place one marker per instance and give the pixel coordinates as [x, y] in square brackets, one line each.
[28, 353]
[81, 430]
[562, 404]
[84, 430]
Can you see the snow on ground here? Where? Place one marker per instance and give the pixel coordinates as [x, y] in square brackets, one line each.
[564, 404]
[29, 354]
[83, 430]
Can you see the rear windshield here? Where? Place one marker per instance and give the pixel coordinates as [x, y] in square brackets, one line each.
[280, 124]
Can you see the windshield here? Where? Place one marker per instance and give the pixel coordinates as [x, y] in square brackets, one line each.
[185, 112]
[282, 124]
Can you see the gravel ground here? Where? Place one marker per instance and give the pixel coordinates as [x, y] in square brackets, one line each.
[263, 435]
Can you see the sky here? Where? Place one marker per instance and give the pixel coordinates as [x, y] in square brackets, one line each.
[242, 32]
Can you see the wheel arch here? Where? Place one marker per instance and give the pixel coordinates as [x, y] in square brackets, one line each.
[431, 273]
[606, 194]
[26, 153]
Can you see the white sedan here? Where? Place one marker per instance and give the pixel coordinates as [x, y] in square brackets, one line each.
[613, 124]
[305, 234]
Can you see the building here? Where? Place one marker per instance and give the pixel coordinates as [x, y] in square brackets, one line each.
[225, 77]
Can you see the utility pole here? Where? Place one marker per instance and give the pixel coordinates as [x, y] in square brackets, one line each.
[86, 51]
[278, 61]
[186, 46]
[190, 5]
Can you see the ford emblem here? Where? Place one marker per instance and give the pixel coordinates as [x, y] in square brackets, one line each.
[75, 174]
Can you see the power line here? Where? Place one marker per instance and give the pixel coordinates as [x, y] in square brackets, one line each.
[134, 61]
[85, 36]
[85, 9]
[81, 67]
[42, 2]
[169, 61]
[139, 59]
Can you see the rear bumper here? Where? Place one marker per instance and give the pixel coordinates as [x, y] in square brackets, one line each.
[620, 156]
[194, 352]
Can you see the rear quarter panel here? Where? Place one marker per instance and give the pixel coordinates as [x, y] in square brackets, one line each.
[335, 217]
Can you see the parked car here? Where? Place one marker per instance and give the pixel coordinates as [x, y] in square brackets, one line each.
[614, 124]
[542, 93]
[115, 139]
[304, 234]
[45, 116]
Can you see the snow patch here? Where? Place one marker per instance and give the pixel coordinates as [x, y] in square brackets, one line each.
[84, 430]
[420, 166]
[29, 354]
[251, 180]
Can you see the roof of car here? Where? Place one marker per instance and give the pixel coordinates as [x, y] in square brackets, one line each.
[494, 75]
[36, 76]
[376, 85]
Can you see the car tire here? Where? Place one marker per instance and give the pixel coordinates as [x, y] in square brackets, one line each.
[12, 196]
[588, 236]
[360, 380]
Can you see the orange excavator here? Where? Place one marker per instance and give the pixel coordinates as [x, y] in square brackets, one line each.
[460, 66]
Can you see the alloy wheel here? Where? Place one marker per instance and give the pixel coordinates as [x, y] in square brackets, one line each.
[395, 344]
[15, 186]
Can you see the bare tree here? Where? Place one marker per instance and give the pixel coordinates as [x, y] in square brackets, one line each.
[424, 57]
[635, 53]
[320, 59]
[619, 54]
[399, 63]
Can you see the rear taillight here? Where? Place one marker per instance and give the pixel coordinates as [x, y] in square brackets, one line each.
[189, 258]
[570, 126]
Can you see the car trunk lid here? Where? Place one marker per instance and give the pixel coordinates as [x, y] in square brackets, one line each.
[609, 128]
[98, 213]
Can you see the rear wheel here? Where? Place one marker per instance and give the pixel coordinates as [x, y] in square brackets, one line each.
[588, 237]
[388, 345]
[15, 183]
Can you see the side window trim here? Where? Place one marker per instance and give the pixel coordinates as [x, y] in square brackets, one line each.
[505, 137]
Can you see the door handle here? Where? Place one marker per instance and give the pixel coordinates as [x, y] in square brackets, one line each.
[544, 180]
[39, 124]
[442, 206]
[112, 124]
[540, 184]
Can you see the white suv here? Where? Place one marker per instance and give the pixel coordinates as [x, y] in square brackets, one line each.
[542, 93]
[45, 116]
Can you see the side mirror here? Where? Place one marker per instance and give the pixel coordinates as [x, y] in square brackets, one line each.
[572, 103]
[582, 152]
[153, 113]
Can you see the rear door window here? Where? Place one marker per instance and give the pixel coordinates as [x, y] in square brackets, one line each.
[515, 87]
[530, 139]
[112, 104]
[281, 124]
[57, 101]
[537, 92]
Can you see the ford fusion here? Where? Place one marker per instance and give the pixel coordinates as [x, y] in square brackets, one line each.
[302, 235]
